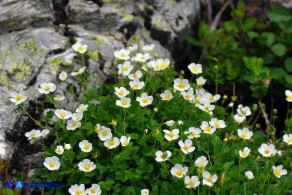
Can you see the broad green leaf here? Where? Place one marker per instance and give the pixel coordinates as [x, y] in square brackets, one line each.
[288, 78]
[270, 37]
[279, 49]
[252, 34]
[278, 13]
[254, 64]
[288, 64]
[288, 122]
[278, 73]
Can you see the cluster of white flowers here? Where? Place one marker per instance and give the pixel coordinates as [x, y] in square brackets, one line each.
[80, 190]
[34, 134]
[242, 113]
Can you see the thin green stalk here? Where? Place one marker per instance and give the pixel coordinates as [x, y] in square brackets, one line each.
[35, 121]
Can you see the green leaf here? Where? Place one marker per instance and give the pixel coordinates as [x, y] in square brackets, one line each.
[252, 34]
[254, 64]
[288, 64]
[288, 78]
[270, 37]
[240, 9]
[193, 41]
[279, 49]
[278, 13]
[288, 122]
[278, 73]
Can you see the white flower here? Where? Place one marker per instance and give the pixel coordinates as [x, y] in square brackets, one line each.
[186, 147]
[141, 57]
[136, 84]
[137, 75]
[78, 47]
[166, 95]
[244, 153]
[191, 182]
[121, 92]
[279, 171]
[72, 125]
[238, 118]
[67, 146]
[267, 150]
[17, 98]
[201, 162]
[33, 134]
[169, 123]
[209, 179]
[201, 81]
[125, 69]
[124, 102]
[243, 111]
[193, 132]
[79, 71]
[133, 47]
[2, 149]
[122, 54]
[77, 190]
[244, 133]
[171, 135]
[85, 146]
[82, 108]
[288, 94]
[59, 150]
[59, 98]
[189, 95]
[207, 107]
[125, 140]
[94, 190]
[144, 100]
[148, 48]
[180, 122]
[181, 84]
[52, 163]
[208, 129]
[211, 98]
[287, 138]
[77, 116]
[86, 165]
[218, 124]
[63, 76]
[195, 68]
[63, 114]
[144, 192]
[44, 133]
[112, 142]
[179, 171]
[97, 128]
[159, 64]
[162, 156]
[105, 133]
[46, 88]
[249, 175]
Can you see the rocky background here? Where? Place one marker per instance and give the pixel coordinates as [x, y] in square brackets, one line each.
[35, 46]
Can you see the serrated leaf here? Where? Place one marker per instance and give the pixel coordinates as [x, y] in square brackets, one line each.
[288, 64]
[279, 49]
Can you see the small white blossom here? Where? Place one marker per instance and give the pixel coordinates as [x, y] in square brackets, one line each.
[179, 171]
[162, 156]
[208, 129]
[191, 182]
[201, 162]
[94, 190]
[77, 116]
[136, 84]
[267, 150]
[63, 114]
[141, 57]
[18, 98]
[209, 179]
[244, 153]
[287, 138]
[144, 100]
[186, 147]
[33, 134]
[125, 140]
[170, 123]
[288, 94]
[86, 165]
[171, 135]
[238, 118]
[137, 75]
[166, 95]
[121, 92]
[249, 175]
[124, 102]
[122, 54]
[79, 71]
[133, 47]
[78, 47]
[46, 88]
[180, 122]
[112, 142]
[201, 81]
[181, 84]
[44, 133]
[81, 108]
[105, 133]
[72, 125]
[279, 171]
[195, 68]
[193, 132]
[218, 124]
[59, 98]
[59, 150]
[63, 76]
[67, 146]
[144, 192]
[244, 133]
[77, 189]
[243, 111]
[52, 163]
[2, 149]
[148, 48]
[125, 68]
[85, 146]
[189, 95]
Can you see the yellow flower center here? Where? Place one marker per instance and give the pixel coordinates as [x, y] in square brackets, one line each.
[277, 172]
[195, 69]
[171, 134]
[244, 135]
[211, 99]
[167, 96]
[51, 164]
[124, 103]
[187, 97]
[193, 134]
[208, 129]
[289, 140]
[209, 179]
[32, 134]
[267, 151]
[86, 147]
[121, 93]
[123, 55]
[186, 147]
[243, 154]
[104, 133]
[18, 98]
[80, 48]
[92, 190]
[87, 167]
[217, 124]
[47, 88]
[191, 183]
[125, 68]
[145, 100]
[206, 108]
[143, 58]
[201, 163]
[181, 85]
[97, 129]
[289, 97]
[125, 143]
[111, 143]
[74, 124]
[163, 66]
[78, 192]
[179, 173]
[163, 155]
[62, 115]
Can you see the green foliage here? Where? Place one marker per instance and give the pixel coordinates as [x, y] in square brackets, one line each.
[241, 37]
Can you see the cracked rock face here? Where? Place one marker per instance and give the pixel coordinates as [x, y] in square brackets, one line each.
[36, 37]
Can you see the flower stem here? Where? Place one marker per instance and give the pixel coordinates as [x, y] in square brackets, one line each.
[34, 120]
